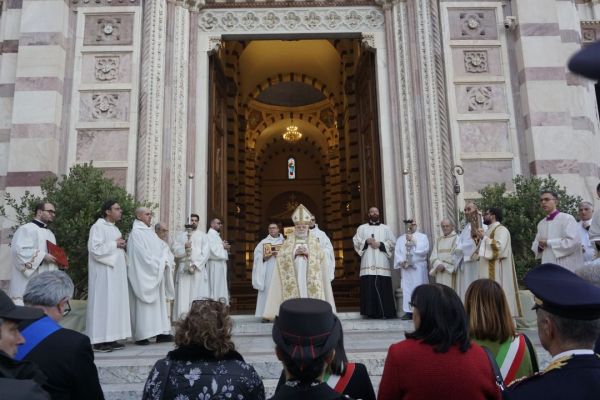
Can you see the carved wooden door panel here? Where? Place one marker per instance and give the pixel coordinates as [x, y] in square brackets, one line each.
[368, 133]
[217, 142]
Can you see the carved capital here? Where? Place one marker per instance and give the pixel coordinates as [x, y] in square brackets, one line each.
[368, 40]
[214, 44]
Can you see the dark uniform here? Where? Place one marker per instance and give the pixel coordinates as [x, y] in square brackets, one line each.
[576, 374]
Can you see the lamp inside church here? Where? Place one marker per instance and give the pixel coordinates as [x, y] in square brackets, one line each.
[292, 134]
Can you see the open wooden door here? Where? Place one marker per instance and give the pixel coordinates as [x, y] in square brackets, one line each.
[368, 133]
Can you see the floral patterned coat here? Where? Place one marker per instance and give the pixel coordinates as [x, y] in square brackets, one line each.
[190, 372]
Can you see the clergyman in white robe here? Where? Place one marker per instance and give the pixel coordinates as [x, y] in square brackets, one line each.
[217, 267]
[192, 276]
[561, 232]
[468, 269]
[147, 264]
[327, 248]
[262, 271]
[108, 317]
[412, 263]
[594, 233]
[28, 249]
[444, 262]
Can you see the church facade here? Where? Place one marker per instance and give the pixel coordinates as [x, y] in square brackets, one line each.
[396, 101]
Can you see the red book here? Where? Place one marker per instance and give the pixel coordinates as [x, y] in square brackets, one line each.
[59, 254]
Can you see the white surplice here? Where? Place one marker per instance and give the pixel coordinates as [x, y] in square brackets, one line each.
[563, 242]
[217, 267]
[496, 263]
[147, 263]
[28, 249]
[108, 317]
[468, 270]
[415, 272]
[443, 260]
[192, 283]
[262, 271]
[587, 246]
[327, 248]
[374, 261]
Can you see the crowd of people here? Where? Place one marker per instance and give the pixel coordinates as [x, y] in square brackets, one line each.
[473, 351]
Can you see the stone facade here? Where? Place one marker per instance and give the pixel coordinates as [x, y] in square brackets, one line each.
[123, 84]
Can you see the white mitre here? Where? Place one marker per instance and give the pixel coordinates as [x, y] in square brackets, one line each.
[301, 216]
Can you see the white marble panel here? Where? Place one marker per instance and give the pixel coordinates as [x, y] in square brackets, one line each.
[482, 137]
[37, 107]
[541, 51]
[11, 20]
[102, 145]
[476, 62]
[480, 98]
[6, 107]
[8, 67]
[35, 154]
[44, 16]
[41, 61]
[535, 11]
[480, 173]
[549, 96]
[106, 68]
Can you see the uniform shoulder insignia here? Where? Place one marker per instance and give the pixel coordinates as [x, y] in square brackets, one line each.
[522, 379]
[557, 364]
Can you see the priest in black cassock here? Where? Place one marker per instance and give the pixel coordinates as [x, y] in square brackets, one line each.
[374, 243]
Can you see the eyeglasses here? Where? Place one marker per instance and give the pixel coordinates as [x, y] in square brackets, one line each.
[412, 305]
[50, 211]
[547, 199]
[67, 308]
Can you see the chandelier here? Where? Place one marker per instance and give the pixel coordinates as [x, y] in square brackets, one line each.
[292, 134]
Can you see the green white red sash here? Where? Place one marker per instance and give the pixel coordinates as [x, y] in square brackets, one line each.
[510, 356]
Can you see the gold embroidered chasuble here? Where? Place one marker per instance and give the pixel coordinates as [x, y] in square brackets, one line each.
[284, 284]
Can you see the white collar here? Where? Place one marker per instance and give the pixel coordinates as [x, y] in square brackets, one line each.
[575, 352]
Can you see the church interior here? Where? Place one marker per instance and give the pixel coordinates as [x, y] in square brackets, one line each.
[293, 121]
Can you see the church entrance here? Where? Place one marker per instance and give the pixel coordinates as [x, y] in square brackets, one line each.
[292, 121]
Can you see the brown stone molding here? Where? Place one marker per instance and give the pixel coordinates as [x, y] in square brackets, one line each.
[545, 167]
[9, 46]
[7, 89]
[547, 119]
[582, 123]
[27, 178]
[105, 3]
[34, 131]
[4, 135]
[43, 39]
[539, 29]
[570, 36]
[576, 80]
[541, 74]
[42, 83]
[14, 4]
[284, 3]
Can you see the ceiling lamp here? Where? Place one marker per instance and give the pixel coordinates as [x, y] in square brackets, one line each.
[292, 134]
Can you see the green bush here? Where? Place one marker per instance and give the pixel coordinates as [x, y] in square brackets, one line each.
[77, 197]
[522, 212]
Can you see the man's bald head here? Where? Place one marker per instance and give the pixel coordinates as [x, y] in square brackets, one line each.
[144, 214]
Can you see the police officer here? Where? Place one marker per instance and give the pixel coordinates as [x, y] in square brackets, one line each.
[568, 319]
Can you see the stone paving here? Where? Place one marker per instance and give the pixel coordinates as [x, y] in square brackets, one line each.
[123, 373]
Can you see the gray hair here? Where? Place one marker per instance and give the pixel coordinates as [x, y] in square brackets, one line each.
[586, 203]
[580, 332]
[48, 289]
[157, 226]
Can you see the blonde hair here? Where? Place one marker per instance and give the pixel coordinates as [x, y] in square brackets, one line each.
[488, 312]
[207, 325]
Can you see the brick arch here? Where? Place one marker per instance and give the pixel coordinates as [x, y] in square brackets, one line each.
[305, 146]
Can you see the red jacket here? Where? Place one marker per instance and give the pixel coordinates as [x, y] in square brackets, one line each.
[414, 371]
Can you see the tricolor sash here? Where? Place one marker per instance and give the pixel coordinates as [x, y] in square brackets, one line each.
[34, 334]
[339, 382]
[509, 357]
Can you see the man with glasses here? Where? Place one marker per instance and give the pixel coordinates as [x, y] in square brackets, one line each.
[64, 355]
[557, 240]
[29, 250]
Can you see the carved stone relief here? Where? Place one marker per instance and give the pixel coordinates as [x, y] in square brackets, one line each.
[480, 98]
[111, 106]
[107, 68]
[104, 3]
[484, 98]
[588, 35]
[286, 19]
[476, 61]
[110, 29]
[473, 24]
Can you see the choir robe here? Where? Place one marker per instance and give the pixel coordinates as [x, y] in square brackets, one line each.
[327, 248]
[595, 234]
[262, 271]
[297, 277]
[587, 246]
[191, 283]
[146, 269]
[563, 242]
[108, 317]
[217, 267]
[496, 263]
[376, 294]
[28, 249]
[415, 273]
[444, 261]
[468, 269]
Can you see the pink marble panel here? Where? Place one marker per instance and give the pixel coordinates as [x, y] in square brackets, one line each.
[477, 136]
[118, 175]
[480, 173]
[480, 98]
[108, 30]
[472, 24]
[544, 167]
[477, 61]
[27, 178]
[104, 106]
[102, 145]
[106, 68]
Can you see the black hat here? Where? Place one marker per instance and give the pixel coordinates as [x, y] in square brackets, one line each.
[561, 292]
[586, 61]
[306, 329]
[8, 310]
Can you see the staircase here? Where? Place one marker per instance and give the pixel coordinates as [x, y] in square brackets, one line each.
[123, 373]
